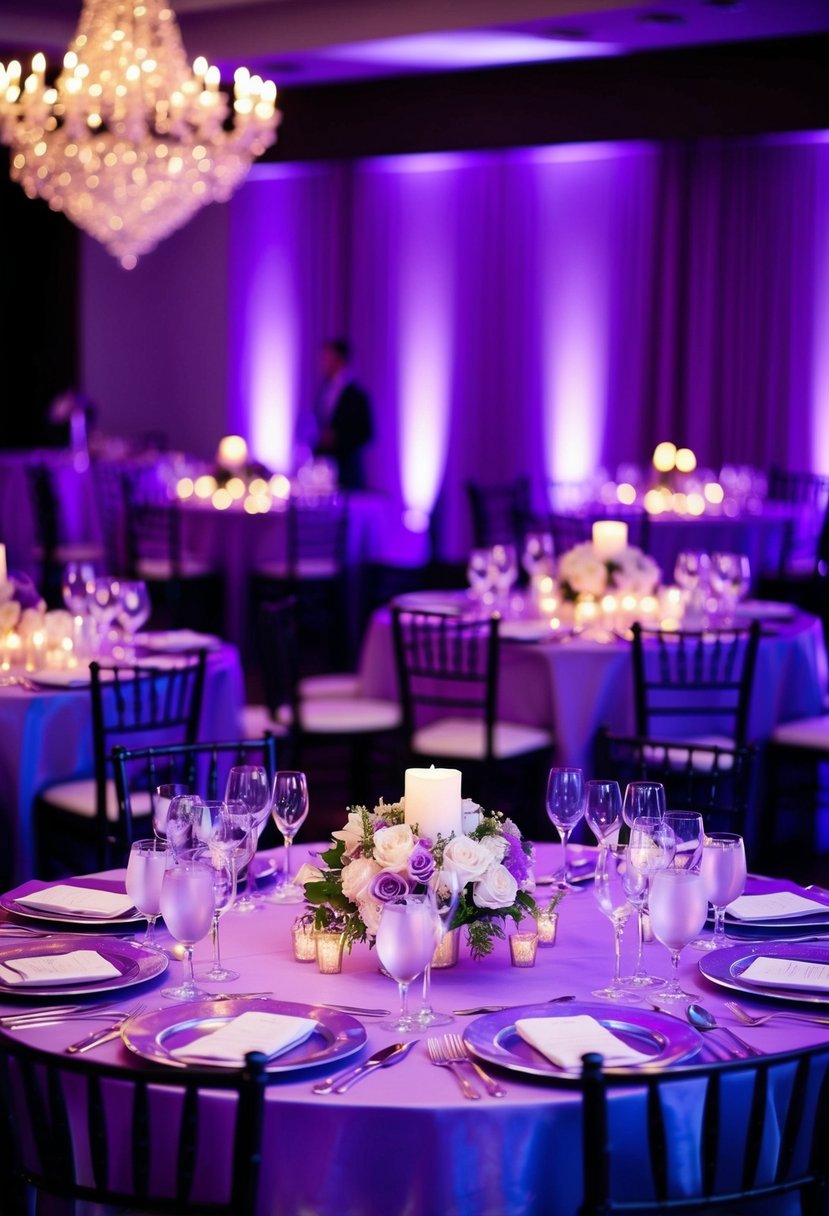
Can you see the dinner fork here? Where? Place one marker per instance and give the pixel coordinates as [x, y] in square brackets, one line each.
[439, 1057]
[760, 1019]
[456, 1050]
[54, 1017]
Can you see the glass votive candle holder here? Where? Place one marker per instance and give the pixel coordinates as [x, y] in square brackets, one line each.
[446, 953]
[522, 949]
[546, 926]
[305, 941]
[329, 951]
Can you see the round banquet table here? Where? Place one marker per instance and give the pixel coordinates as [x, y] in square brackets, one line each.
[404, 1140]
[46, 737]
[573, 686]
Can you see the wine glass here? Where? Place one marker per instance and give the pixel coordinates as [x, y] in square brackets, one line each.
[643, 798]
[689, 834]
[503, 565]
[161, 798]
[479, 574]
[445, 889]
[723, 871]
[76, 578]
[249, 785]
[145, 874]
[406, 939]
[187, 901]
[289, 808]
[133, 611]
[611, 892]
[103, 596]
[730, 580]
[603, 809]
[691, 569]
[565, 807]
[537, 554]
[678, 905]
[222, 834]
[651, 847]
[182, 817]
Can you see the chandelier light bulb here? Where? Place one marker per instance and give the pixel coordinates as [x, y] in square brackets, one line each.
[130, 141]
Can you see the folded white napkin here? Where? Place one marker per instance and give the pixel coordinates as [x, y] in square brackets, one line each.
[78, 901]
[788, 973]
[270, 1033]
[565, 1040]
[74, 967]
[777, 905]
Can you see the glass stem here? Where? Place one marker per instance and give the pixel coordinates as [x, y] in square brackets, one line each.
[719, 925]
[287, 840]
[214, 933]
[617, 953]
[189, 977]
[675, 971]
[404, 1001]
[425, 1003]
[565, 836]
[149, 935]
[639, 969]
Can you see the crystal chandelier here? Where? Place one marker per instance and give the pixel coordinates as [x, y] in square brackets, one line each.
[130, 141]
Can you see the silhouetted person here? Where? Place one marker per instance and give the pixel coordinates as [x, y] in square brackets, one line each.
[343, 415]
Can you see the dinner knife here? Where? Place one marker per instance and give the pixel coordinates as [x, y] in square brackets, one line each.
[392, 1054]
[96, 1039]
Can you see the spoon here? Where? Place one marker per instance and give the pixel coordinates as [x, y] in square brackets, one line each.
[701, 1019]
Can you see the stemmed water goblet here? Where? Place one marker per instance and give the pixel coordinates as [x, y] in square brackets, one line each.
[730, 580]
[221, 835]
[445, 890]
[565, 807]
[643, 798]
[611, 889]
[76, 578]
[133, 611]
[248, 784]
[479, 575]
[723, 871]
[289, 809]
[187, 900]
[691, 569]
[603, 809]
[537, 554]
[503, 564]
[160, 800]
[689, 835]
[180, 826]
[678, 906]
[104, 597]
[651, 847]
[145, 875]
[405, 943]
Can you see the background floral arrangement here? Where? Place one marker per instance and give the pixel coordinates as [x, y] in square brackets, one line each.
[581, 572]
[21, 607]
[377, 857]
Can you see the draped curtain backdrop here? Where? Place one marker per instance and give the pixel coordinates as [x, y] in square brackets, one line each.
[541, 312]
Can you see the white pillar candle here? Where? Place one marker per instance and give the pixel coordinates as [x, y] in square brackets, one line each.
[3, 568]
[432, 801]
[610, 537]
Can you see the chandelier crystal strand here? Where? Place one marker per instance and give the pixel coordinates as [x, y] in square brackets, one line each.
[131, 141]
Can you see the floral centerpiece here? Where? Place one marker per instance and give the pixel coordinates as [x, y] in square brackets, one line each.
[581, 571]
[377, 857]
[21, 607]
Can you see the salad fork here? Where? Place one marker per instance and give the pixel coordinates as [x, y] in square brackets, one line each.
[456, 1050]
[441, 1058]
[760, 1019]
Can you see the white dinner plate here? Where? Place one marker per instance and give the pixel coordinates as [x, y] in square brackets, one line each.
[765, 610]
[663, 1038]
[9, 903]
[135, 964]
[154, 1035]
[178, 641]
[726, 966]
[430, 601]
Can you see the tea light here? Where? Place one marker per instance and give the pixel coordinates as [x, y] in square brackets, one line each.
[522, 948]
[547, 926]
[329, 952]
[610, 537]
[446, 953]
[305, 941]
[586, 611]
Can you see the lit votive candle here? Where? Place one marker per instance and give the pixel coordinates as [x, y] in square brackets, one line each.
[329, 951]
[522, 948]
[610, 537]
[305, 941]
[547, 926]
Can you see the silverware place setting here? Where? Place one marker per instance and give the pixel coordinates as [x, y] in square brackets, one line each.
[384, 1058]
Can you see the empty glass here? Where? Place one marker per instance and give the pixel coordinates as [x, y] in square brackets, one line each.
[289, 809]
[651, 847]
[643, 798]
[689, 835]
[611, 889]
[133, 611]
[565, 807]
[603, 809]
[162, 796]
[537, 554]
[730, 581]
[479, 574]
[248, 784]
[103, 597]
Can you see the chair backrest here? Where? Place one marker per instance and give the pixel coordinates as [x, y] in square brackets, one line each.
[686, 680]
[317, 537]
[152, 533]
[110, 502]
[81, 1129]
[760, 1131]
[278, 648]
[805, 541]
[501, 514]
[201, 767]
[446, 664]
[45, 509]
[567, 531]
[134, 704]
[717, 781]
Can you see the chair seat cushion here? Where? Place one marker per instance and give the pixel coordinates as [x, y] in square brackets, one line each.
[466, 738]
[158, 569]
[78, 798]
[811, 733]
[306, 568]
[256, 719]
[349, 715]
[693, 751]
[335, 684]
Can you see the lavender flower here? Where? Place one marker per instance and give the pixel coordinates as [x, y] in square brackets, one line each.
[421, 863]
[515, 859]
[387, 886]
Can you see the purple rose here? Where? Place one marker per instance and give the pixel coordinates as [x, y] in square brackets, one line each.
[25, 592]
[387, 886]
[421, 864]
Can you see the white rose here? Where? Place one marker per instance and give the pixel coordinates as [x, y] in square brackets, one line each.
[496, 846]
[357, 876]
[352, 833]
[59, 625]
[392, 847]
[6, 590]
[497, 889]
[472, 815]
[9, 616]
[585, 573]
[370, 912]
[31, 621]
[307, 873]
[467, 858]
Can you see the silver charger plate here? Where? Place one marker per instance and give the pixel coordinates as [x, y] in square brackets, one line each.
[664, 1038]
[777, 928]
[726, 966]
[153, 1035]
[136, 964]
[9, 903]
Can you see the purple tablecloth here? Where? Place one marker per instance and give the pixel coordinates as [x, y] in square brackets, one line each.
[46, 737]
[573, 687]
[405, 1140]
